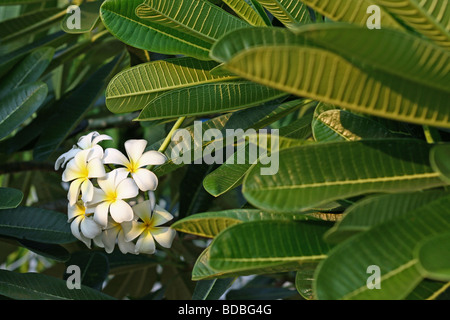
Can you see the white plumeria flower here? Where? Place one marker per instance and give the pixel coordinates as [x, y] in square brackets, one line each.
[136, 161]
[114, 188]
[148, 229]
[86, 142]
[113, 234]
[83, 227]
[84, 166]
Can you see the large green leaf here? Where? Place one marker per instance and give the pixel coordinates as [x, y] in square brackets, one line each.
[209, 99]
[70, 110]
[211, 289]
[29, 23]
[369, 47]
[246, 11]
[342, 125]
[28, 70]
[308, 176]
[120, 18]
[353, 11]
[133, 88]
[210, 224]
[439, 158]
[375, 210]
[35, 224]
[268, 246]
[325, 76]
[431, 18]
[210, 22]
[289, 12]
[10, 198]
[35, 286]
[89, 16]
[390, 247]
[19, 105]
[433, 255]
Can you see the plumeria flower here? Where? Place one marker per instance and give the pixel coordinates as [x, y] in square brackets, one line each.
[84, 166]
[114, 188]
[113, 234]
[83, 227]
[89, 141]
[148, 228]
[136, 161]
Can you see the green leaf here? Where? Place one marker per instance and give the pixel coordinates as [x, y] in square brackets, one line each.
[375, 210]
[29, 23]
[430, 18]
[433, 255]
[325, 76]
[439, 158]
[10, 198]
[89, 16]
[268, 246]
[363, 46]
[288, 12]
[304, 279]
[35, 224]
[20, 104]
[430, 290]
[94, 268]
[209, 24]
[353, 11]
[120, 18]
[133, 88]
[211, 289]
[28, 70]
[342, 125]
[70, 110]
[207, 99]
[49, 250]
[210, 224]
[390, 246]
[231, 173]
[308, 176]
[35, 286]
[246, 12]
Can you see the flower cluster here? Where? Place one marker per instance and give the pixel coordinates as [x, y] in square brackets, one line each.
[103, 197]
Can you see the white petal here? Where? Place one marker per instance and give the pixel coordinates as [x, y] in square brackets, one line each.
[152, 157]
[74, 227]
[81, 158]
[164, 236]
[125, 246]
[127, 189]
[72, 171]
[144, 210]
[121, 211]
[87, 191]
[160, 216]
[98, 241]
[101, 137]
[89, 228]
[96, 168]
[135, 149]
[101, 214]
[145, 243]
[132, 229]
[114, 156]
[97, 197]
[74, 191]
[74, 211]
[109, 237]
[85, 142]
[65, 157]
[145, 179]
[94, 152]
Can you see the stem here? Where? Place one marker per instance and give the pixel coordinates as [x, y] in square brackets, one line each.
[166, 141]
[168, 138]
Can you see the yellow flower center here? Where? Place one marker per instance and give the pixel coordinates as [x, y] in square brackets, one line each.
[132, 166]
[111, 196]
